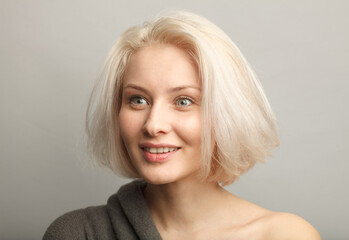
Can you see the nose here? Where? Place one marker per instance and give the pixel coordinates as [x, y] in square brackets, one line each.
[157, 122]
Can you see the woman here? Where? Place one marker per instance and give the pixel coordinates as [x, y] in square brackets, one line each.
[181, 110]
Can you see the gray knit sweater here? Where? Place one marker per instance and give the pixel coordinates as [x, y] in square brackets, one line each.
[125, 216]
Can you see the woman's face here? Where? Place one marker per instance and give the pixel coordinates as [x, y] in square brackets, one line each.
[160, 114]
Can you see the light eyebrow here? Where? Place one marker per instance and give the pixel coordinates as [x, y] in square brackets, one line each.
[130, 85]
[175, 89]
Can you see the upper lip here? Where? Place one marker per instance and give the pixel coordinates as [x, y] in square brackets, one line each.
[157, 145]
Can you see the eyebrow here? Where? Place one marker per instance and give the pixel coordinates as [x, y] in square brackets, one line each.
[175, 89]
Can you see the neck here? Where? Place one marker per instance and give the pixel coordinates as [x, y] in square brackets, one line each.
[185, 205]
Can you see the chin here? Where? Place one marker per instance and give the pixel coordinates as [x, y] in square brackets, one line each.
[159, 174]
[158, 180]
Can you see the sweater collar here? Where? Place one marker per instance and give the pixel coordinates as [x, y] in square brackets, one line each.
[132, 202]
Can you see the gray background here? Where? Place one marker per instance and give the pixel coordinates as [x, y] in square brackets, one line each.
[52, 52]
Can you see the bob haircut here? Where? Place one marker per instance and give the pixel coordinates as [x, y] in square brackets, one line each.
[239, 125]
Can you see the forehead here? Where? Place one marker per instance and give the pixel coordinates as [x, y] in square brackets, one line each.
[161, 63]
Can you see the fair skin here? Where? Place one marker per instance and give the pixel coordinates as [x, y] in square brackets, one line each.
[160, 112]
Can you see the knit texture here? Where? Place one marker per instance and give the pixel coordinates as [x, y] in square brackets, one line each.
[126, 216]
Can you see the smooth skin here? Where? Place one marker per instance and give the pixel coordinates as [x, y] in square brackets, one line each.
[161, 105]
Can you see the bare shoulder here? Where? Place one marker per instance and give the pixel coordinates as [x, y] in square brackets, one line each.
[250, 221]
[289, 226]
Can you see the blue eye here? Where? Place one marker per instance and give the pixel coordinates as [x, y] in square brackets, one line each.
[137, 100]
[184, 102]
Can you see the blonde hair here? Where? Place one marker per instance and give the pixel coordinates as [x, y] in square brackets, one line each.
[237, 118]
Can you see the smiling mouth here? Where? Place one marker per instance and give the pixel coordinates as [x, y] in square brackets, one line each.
[160, 150]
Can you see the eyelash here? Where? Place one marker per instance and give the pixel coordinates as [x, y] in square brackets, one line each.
[132, 98]
[185, 98]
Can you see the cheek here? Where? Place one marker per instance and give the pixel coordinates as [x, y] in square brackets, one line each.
[189, 128]
[129, 125]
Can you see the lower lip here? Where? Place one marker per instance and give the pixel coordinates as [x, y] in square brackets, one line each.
[158, 157]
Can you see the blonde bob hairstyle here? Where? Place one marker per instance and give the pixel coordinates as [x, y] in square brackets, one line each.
[235, 112]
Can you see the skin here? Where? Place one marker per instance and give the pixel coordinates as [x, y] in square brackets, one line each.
[161, 104]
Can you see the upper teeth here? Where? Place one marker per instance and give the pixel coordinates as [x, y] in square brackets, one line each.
[160, 150]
